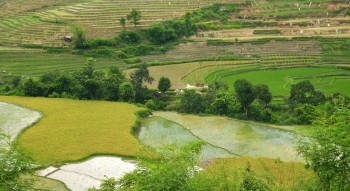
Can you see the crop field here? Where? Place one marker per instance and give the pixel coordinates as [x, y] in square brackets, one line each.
[37, 64]
[73, 130]
[178, 72]
[328, 80]
[200, 50]
[45, 23]
[285, 174]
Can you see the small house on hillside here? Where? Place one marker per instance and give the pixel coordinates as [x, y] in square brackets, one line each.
[67, 39]
[199, 85]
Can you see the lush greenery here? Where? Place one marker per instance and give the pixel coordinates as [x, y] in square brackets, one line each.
[177, 168]
[58, 136]
[327, 154]
[13, 165]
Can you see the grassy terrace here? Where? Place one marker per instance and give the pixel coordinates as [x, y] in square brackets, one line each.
[200, 50]
[47, 25]
[36, 64]
[73, 130]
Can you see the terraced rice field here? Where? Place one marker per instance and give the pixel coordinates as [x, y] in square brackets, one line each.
[36, 64]
[177, 72]
[73, 130]
[200, 51]
[328, 80]
[47, 24]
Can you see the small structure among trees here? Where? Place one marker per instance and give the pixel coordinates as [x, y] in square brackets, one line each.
[67, 39]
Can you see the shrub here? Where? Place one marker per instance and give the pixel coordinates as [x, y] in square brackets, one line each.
[130, 37]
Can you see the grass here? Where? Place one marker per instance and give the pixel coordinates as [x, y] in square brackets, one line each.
[37, 64]
[328, 80]
[72, 130]
[42, 183]
[286, 175]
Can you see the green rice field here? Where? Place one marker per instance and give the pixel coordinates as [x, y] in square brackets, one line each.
[328, 80]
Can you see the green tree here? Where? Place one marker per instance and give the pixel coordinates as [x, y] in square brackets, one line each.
[304, 93]
[222, 103]
[115, 77]
[245, 94]
[122, 22]
[90, 82]
[33, 88]
[190, 28]
[164, 84]
[79, 39]
[12, 166]
[126, 92]
[134, 16]
[327, 153]
[130, 37]
[140, 76]
[263, 94]
[191, 102]
[160, 35]
[305, 114]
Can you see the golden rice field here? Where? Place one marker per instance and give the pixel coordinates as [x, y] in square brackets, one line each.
[72, 130]
[283, 174]
[178, 72]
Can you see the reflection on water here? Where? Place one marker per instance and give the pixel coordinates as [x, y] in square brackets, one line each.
[243, 138]
[157, 132]
[13, 119]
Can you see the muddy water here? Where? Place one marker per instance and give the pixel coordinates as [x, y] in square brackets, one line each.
[221, 134]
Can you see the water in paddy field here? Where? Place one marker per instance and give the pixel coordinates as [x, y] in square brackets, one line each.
[157, 132]
[13, 119]
[226, 137]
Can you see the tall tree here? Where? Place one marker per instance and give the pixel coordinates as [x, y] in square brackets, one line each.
[191, 102]
[327, 153]
[79, 40]
[263, 94]
[126, 92]
[304, 93]
[122, 22]
[190, 28]
[164, 84]
[245, 93]
[134, 16]
[140, 76]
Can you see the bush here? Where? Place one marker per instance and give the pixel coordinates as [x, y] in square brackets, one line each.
[160, 35]
[130, 37]
[97, 42]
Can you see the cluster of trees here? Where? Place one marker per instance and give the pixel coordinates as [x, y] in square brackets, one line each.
[157, 38]
[91, 84]
[327, 153]
[253, 102]
[218, 100]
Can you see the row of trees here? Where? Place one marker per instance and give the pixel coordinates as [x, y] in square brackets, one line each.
[89, 83]
[253, 102]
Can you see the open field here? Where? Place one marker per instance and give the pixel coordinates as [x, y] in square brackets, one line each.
[328, 80]
[72, 130]
[37, 64]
